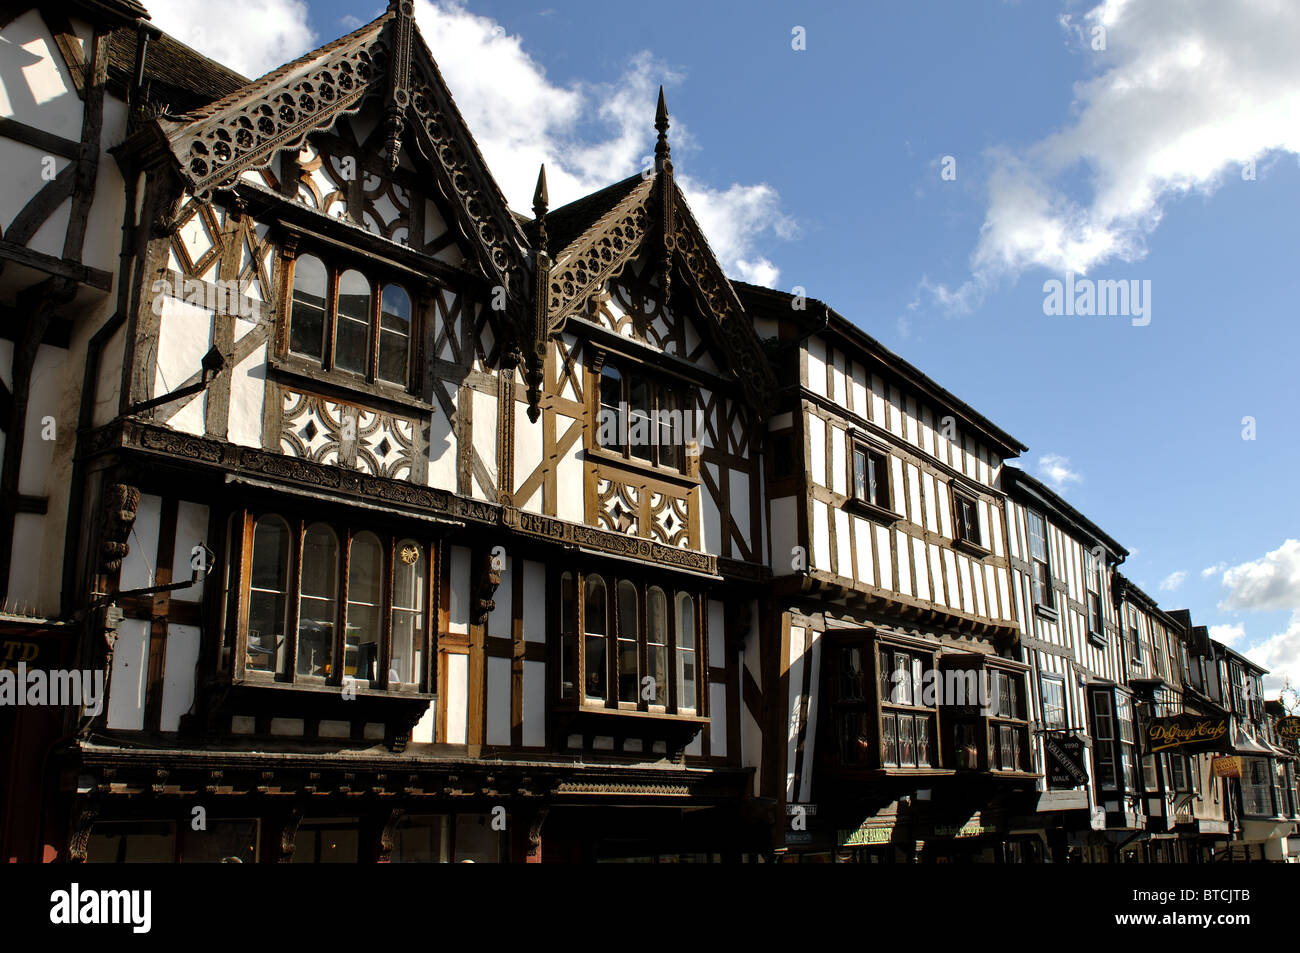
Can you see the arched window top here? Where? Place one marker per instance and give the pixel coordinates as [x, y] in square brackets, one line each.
[307, 319]
[685, 620]
[352, 332]
[364, 567]
[396, 308]
[594, 613]
[270, 552]
[310, 279]
[627, 608]
[394, 333]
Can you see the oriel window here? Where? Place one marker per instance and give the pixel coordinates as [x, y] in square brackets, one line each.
[375, 619]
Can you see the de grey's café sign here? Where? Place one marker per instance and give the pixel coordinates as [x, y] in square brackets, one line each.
[1186, 733]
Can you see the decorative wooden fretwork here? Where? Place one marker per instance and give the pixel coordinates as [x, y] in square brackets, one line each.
[340, 434]
[386, 59]
[312, 428]
[670, 519]
[618, 507]
[211, 243]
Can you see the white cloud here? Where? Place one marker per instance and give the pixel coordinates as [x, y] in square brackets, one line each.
[251, 37]
[1173, 582]
[1184, 96]
[1214, 570]
[1229, 634]
[1055, 469]
[1280, 654]
[1271, 582]
[588, 134]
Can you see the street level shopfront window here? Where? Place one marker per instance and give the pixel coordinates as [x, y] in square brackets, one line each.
[635, 642]
[303, 611]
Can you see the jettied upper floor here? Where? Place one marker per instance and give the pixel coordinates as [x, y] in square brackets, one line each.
[542, 271]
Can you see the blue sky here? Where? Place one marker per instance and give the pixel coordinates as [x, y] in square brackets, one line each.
[822, 168]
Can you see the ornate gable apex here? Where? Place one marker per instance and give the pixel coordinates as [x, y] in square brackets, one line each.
[627, 215]
[388, 60]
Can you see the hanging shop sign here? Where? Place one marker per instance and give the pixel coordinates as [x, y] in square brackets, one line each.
[1288, 727]
[1065, 761]
[866, 836]
[1225, 768]
[1186, 733]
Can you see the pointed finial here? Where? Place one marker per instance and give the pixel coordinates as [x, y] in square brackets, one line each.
[540, 202]
[661, 124]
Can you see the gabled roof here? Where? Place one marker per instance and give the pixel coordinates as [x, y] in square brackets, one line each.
[570, 221]
[384, 63]
[594, 238]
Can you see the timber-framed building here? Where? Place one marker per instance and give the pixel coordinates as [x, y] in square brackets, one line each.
[401, 525]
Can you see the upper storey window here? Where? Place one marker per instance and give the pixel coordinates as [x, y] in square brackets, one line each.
[967, 519]
[870, 475]
[1041, 578]
[642, 418]
[350, 321]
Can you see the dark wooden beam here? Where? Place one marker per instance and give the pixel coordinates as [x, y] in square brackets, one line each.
[56, 267]
[38, 138]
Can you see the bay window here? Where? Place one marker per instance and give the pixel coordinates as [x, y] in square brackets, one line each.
[313, 593]
[908, 719]
[639, 649]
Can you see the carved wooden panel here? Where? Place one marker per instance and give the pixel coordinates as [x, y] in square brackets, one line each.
[670, 521]
[334, 178]
[336, 433]
[618, 507]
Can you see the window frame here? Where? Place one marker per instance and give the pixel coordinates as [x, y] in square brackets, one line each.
[1057, 681]
[659, 388]
[241, 543]
[875, 457]
[962, 499]
[572, 646]
[379, 279]
[1041, 592]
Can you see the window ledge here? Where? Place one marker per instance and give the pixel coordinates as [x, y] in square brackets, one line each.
[1044, 612]
[971, 549]
[606, 458]
[348, 386]
[871, 511]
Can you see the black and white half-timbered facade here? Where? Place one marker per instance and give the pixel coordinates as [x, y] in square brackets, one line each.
[368, 519]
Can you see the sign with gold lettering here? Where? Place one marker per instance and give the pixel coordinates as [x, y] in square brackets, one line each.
[865, 836]
[1186, 733]
[1225, 768]
[1288, 727]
